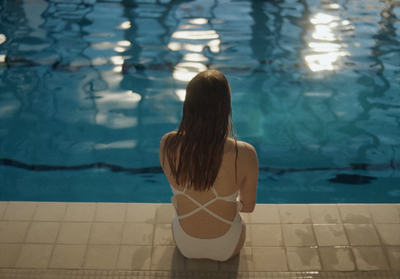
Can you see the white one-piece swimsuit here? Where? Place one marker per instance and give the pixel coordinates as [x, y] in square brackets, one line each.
[220, 248]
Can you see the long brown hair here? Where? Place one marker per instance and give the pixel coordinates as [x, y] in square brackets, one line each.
[195, 152]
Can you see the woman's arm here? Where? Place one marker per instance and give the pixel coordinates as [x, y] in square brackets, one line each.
[248, 189]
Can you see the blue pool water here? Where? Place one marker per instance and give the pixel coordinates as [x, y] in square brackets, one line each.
[88, 88]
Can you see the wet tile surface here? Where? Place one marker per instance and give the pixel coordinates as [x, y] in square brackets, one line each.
[393, 256]
[298, 235]
[324, 214]
[336, 259]
[134, 258]
[303, 258]
[370, 258]
[265, 235]
[294, 214]
[362, 234]
[137, 234]
[355, 213]
[138, 237]
[269, 259]
[330, 235]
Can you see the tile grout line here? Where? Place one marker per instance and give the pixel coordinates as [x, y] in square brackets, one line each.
[90, 232]
[4, 212]
[154, 235]
[58, 233]
[122, 233]
[26, 235]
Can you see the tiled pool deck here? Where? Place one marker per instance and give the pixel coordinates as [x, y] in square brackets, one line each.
[120, 240]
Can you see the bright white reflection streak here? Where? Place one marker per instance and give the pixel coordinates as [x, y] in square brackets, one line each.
[187, 70]
[181, 93]
[2, 38]
[195, 57]
[108, 102]
[125, 25]
[195, 35]
[124, 43]
[119, 49]
[191, 66]
[199, 21]
[327, 53]
[117, 60]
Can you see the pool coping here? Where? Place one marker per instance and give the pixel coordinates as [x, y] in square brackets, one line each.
[134, 240]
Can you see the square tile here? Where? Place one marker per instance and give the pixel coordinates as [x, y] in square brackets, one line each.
[240, 263]
[80, 212]
[265, 235]
[362, 235]
[370, 258]
[265, 214]
[201, 265]
[134, 257]
[269, 259]
[393, 256]
[19, 211]
[141, 212]
[163, 235]
[101, 257]
[13, 232]
[9, 255]
[336, 259]
[384, 213]
[43, 232]
[110, 212]
[137, 234]
[106, 233]
[294, 214]
[324, 214]
[50, 211]
[298, 235]
[166, 258]
[34, 256]
[303, 259]
[165, 213]
[389, 233]
[67, 256]
[3, 206]
[330, 235]
[74, 233]
[355, 213]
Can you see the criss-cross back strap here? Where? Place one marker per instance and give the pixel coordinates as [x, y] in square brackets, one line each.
[201, 206]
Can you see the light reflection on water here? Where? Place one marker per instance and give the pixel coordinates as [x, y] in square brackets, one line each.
[313, 84]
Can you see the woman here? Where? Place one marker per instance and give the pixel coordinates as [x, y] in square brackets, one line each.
[212, 175]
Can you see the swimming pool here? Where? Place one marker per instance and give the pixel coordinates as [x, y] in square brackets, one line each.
[89, 87]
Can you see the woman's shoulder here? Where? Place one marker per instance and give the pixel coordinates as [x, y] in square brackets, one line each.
[167, 135]
[245, 147]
